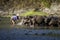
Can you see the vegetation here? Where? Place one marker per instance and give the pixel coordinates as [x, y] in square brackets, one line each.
[31, 13]
[18, 4]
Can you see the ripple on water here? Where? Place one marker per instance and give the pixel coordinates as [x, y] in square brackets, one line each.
[19, 34]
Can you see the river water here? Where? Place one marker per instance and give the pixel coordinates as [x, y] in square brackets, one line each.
[28, 34]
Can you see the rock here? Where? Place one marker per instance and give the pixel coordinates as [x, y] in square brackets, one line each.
[36, 33]
[26, 33]
[43, 34]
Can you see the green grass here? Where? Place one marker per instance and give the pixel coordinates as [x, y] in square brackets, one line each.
[31, 13]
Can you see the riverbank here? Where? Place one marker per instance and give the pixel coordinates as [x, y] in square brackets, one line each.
[6, 23]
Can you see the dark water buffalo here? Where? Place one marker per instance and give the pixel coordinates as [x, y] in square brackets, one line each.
[47, 20]
[54, 22]
[59, 21]
[26, 21]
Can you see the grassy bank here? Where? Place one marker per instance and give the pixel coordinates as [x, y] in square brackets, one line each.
[32, 13]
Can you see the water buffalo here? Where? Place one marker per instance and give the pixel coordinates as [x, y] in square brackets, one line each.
[39, 20]
[54, 22]
[48, 19]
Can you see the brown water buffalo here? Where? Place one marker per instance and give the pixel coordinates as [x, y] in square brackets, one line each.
[39, 20]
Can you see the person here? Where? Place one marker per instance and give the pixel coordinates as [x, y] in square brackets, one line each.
[17, 16]
[0, 19]
[13, 19]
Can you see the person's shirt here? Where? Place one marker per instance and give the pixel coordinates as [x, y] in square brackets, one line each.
[14, 17]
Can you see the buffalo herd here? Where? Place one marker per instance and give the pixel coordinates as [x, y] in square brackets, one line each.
[41, 20]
